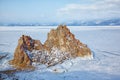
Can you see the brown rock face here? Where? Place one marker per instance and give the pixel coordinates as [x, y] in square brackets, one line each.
[65, 41]
[61, 44]
[21, 55]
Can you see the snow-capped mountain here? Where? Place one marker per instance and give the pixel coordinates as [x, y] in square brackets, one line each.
[103, 22]
[108, 22]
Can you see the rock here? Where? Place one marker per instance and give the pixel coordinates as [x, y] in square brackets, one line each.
[22, 58]
[60, 45]
[65, 41]
[38, 45]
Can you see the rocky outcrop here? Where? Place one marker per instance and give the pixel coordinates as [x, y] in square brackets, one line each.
[60, 45]
[22, 54]
[65, 41]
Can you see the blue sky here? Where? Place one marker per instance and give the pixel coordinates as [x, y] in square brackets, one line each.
[45, 11]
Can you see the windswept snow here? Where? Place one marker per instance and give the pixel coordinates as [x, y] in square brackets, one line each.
[103, 65]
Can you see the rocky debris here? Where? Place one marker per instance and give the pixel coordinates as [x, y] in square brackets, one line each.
[60, 45]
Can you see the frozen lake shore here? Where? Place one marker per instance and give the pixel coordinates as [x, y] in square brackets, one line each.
[103, 41]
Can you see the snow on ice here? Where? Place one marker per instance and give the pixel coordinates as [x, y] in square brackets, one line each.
[103, 65]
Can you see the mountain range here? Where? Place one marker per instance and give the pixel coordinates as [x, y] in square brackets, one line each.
[105, 22]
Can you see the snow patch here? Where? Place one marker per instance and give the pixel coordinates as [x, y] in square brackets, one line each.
[54, 57]
[5, 65]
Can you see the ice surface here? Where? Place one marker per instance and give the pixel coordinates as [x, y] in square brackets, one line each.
[103, 41]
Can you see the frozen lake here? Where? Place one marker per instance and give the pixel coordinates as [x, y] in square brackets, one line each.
[103, 41]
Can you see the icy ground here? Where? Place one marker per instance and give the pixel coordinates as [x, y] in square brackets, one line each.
[103, 41]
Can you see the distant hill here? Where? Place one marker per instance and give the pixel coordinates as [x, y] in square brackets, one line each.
[109, 22]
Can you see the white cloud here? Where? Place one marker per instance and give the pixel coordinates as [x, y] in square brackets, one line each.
[98, 10]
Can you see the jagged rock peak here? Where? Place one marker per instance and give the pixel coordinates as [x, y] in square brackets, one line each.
[22, 58]
[60, 45]
[64, 40]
